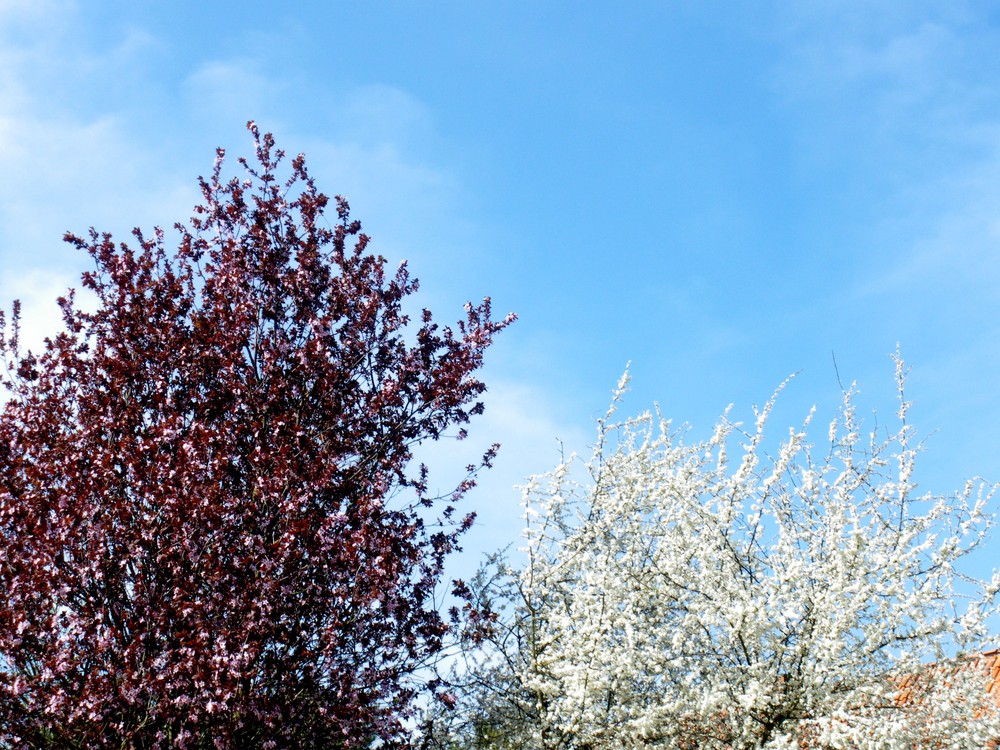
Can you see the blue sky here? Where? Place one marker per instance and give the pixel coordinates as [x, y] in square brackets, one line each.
[721, 193]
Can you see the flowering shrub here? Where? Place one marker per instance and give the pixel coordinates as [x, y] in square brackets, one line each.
[712, 595]
[209, 533]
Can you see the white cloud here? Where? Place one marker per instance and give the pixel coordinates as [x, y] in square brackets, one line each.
[532, 440]
[32, 9]
[903, 91]
[230, 92]
[378, 113]
[66, 169]
[366, 143]
[40, 315]
[906, 96]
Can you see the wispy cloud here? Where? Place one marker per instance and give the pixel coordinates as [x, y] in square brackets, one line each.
[220, 95]
[906, 93]
[68, 167]
[901, 90]
[533, 441]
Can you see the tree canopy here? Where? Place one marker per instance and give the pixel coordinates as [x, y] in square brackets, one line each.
[733, 593]
[211, 534]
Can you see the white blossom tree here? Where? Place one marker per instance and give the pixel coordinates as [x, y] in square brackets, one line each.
[716, 594]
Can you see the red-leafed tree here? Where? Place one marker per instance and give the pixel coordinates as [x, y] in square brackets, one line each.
[210, 533]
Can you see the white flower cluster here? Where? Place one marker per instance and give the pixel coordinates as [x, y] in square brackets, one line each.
[680, 598]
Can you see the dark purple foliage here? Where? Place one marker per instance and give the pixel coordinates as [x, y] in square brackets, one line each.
[209, 536]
